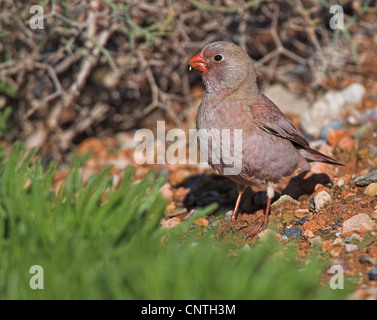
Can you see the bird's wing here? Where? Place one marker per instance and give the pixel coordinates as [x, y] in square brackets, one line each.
[267, 116]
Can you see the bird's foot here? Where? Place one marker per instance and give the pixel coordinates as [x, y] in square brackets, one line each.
[238, 224]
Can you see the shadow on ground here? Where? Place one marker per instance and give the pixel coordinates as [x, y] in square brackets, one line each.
[207, 189]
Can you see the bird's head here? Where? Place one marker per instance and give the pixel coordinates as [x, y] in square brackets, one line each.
[225, 66]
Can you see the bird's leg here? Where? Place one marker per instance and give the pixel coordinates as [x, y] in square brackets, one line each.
[233, 221]
[270, 195]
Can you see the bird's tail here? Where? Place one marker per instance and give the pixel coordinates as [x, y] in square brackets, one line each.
[311, 155]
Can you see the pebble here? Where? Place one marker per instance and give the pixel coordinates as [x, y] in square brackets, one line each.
[170, 223]
[340, 183]
[335, 136]
[346, 144]
[359, 223]
[245, 248]
[334, 125]
[316, 241]
[284, 199]
[366, 179]
[351, 247]
[167, 191]
[321, 199]
[303, 220]
[372, 274]
[367, 260]
[268, 233]
[364, 130]
[292, 232]
[355, 118]
[308, 234]
[371, 190]
[354, 237]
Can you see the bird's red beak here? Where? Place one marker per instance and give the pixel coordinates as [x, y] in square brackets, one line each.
[197, 62]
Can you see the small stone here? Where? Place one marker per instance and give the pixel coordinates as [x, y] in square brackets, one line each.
[268, 233]
[333, 125]
[335, 136]
[324, 173]
[283, 200]
[359, 223]
[371, 190]
[321, 199]
[303, 220]
[229, 213]
[367, 260]
[293, 232]
[301, 213]
[366, 179]
[354, 237]
[202, 222]
[363, 131]
[355, 118]
[308, 234]
[351, 247]
[245, 248]
[346, 144]
[372, 274]
[288, 216]
[170, 223]
[167, 191]
[316, 241]
[340, 183]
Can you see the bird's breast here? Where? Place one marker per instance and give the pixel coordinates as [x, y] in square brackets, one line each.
[228, 132]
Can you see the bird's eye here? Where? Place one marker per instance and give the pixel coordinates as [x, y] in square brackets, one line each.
[218, 57]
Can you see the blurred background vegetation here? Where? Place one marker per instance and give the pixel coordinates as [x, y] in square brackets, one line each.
[101, 67]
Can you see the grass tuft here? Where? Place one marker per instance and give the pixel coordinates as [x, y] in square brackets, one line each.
[91, 248]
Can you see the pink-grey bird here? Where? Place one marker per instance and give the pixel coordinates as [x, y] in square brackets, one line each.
[272, 147]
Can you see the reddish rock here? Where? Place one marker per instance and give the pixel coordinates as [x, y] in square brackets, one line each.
[371, 189]
[321, 168]
[335, 136]
[170, 207]
[202, 222]
[268, 233]
[308, 234]
[360, 223]
[311, 226]
[346, 144]
[167, 191]
[170, 223]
